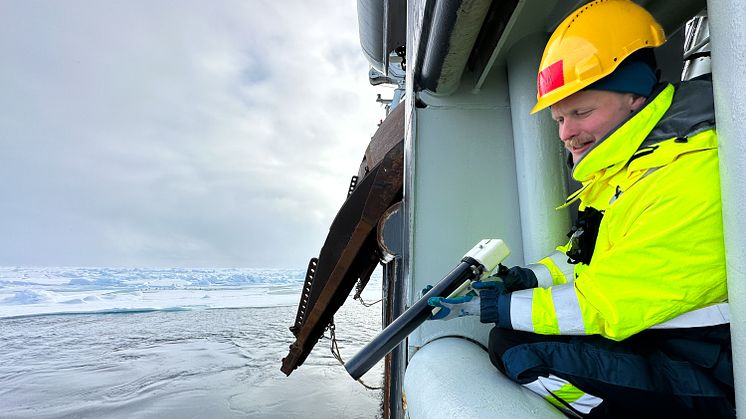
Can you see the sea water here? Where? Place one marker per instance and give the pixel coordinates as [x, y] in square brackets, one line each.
[172, 343]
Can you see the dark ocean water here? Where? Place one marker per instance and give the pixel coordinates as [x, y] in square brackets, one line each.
[214, 363]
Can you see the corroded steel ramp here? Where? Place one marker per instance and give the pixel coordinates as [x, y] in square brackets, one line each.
[350, 252]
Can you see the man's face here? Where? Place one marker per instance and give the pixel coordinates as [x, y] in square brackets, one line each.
[587, 116]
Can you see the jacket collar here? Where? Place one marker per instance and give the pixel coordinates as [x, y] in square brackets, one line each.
[611, 153]
[672, 113]
[689, 111]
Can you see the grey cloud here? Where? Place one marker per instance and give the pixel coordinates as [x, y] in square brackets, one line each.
[177, 133]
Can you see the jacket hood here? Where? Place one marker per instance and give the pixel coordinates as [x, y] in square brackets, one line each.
[691, 112]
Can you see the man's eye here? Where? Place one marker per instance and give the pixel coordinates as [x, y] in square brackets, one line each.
[583, 113]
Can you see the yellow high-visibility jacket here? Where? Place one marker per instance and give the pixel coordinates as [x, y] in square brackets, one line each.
[659, 257]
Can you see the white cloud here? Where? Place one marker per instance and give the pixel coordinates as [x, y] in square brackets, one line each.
[177, 133]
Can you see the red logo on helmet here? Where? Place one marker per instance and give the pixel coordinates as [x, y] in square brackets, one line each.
[551, 78]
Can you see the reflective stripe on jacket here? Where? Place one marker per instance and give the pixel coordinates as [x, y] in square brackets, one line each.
[553, 270]
[659, 255]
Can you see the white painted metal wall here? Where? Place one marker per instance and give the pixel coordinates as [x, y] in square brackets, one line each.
[484, 169]
[464, 190]
[470, 148]
[728, 40]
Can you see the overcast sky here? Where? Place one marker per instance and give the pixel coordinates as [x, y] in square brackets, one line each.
[181, 133]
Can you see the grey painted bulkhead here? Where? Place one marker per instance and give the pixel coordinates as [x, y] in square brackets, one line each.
[462, 185]
[477, 166]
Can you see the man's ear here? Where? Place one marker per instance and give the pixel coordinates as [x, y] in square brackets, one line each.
[636, 102]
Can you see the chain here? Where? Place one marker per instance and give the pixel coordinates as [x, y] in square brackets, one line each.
[358, 295]
[360, 298]
[338, 356]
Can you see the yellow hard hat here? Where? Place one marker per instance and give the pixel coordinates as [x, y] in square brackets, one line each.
[589, 44]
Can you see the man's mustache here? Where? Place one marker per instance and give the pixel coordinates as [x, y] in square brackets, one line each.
[578, 141]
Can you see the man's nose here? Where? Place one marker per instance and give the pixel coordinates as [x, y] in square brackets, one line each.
[567, 130]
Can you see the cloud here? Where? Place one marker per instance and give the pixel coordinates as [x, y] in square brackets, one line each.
[178, 133]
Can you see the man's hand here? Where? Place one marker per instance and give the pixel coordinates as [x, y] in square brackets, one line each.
[494, 283]
[503, 282]
[507, 280]
[516, 278]
[451, 308]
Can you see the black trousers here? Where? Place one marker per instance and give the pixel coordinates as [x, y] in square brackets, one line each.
[664, 373]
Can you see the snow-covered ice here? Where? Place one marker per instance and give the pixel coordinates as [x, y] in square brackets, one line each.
[37, 291]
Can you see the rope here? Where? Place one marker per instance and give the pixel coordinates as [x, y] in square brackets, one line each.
[338, 356]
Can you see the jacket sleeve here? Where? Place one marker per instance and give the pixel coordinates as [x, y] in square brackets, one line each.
[659, 254]
[553, 269]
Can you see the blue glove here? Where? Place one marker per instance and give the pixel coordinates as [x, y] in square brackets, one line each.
[516, 278]
[492, 283]
[451, 308]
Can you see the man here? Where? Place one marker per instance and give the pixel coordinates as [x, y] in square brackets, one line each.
[637, 325]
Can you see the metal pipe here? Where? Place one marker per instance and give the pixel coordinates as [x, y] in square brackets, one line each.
[449, 31]
[539, 157]
[398, 358]
[382, 28]
[728, 38]
[400, 328]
